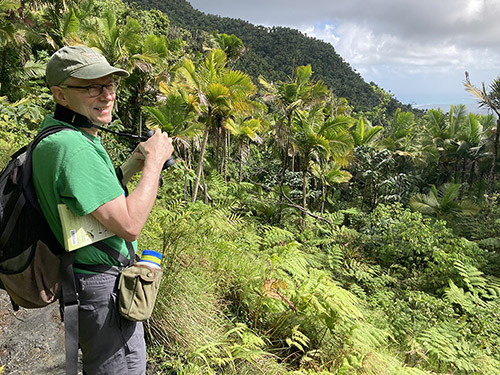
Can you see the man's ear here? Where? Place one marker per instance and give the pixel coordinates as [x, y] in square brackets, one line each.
[59, 95]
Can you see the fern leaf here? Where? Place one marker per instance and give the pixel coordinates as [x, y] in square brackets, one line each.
[298, 339]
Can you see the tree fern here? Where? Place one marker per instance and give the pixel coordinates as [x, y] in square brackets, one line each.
[237, 344]
[360, 272]
[358, 291]
[487, 288]
[471, 276]
[492, 287]
[273, 236]
[298, 339]
[232, 218]
[288, 260]
[365, 337]
[335, 257]
[218, 185]
[456, 295]
[327, 300]
[445, 344]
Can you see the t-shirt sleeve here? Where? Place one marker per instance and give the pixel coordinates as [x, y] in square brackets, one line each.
[87, 182]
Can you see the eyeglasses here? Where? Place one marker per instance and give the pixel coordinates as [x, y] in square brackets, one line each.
[95, 90]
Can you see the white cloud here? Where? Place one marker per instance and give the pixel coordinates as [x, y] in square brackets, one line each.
[399, 44]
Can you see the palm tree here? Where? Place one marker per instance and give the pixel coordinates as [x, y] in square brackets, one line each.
[231, 45]
[328, 173]
[490, 100]
[14, 50]
[8, 31]
[299, 93]
[402, 135]
[317, 137]
[472, 143]
[114, 41]
[444, 203]
[244, 130]
[146, 57]
[64, 26]
[442, 137]
[364, 133]
[288, 97]
[175, 114]
[221, 93]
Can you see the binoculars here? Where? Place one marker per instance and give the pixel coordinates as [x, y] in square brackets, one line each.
[170, 161]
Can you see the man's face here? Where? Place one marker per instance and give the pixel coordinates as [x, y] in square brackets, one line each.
[97, 109]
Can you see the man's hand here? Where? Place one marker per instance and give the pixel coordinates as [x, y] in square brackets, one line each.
[135, 163]
[157, 149]
[126, 216]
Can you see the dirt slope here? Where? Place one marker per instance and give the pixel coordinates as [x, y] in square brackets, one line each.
[31, 340]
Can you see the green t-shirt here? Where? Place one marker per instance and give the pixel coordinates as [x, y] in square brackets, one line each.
[72, 167]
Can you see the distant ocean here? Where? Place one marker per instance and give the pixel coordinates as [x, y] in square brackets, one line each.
[471, 107]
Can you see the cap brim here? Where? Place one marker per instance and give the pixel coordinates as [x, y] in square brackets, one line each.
[97, 71]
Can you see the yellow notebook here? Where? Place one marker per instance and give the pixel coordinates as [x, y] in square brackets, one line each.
[79, 231]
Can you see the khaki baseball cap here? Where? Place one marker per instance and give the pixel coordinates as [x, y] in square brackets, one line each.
[78, 62]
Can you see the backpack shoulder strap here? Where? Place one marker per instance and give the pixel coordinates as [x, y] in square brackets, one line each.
[48, 131]
[69, 312]
[30, 192]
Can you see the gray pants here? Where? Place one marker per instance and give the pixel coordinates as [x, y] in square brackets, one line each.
[110, 343]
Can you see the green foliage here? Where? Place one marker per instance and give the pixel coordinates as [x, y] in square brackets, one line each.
[290, 48]
[376, 178]
[18, 122]
[444, 204]
[364, 133]
[486, 225]
[448, 350]
[400, 237]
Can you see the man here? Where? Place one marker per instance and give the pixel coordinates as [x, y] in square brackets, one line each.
[72, 167]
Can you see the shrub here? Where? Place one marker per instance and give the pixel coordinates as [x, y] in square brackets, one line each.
[422, 251]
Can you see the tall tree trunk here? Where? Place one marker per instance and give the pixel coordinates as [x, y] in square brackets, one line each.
[302, 220]
[227, 139]
[471, 174]
[464, 169]
[491, 177]
[304, 188]
[282, 179]
[324, 189]
[240, 172]
[217, 150]
[200, 162]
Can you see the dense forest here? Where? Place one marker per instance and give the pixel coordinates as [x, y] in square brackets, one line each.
[276, 52]
[310, 224]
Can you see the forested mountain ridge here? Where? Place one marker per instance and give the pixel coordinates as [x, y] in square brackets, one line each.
[275, 52]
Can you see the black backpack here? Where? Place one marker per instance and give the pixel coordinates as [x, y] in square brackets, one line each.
[35, 270]
[29, 252]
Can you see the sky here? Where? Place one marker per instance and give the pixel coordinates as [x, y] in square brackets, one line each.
[418, 50]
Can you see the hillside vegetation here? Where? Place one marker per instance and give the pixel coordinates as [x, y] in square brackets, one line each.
[275, 52]
[303, 231]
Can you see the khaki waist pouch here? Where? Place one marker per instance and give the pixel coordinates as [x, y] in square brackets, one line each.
[138, 287]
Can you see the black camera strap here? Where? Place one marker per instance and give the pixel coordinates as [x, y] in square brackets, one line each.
[71, 117]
